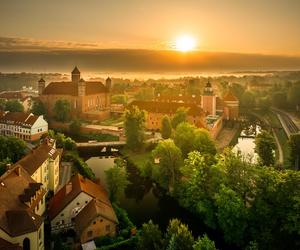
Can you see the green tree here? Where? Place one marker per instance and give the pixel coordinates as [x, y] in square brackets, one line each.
[62, 109]
[294, 95]
[179, 117]
[188, 138]
[14, 106]
[232, 215]
[119, 99]
[204, 243]
[134, 127]
[248, 100]
[179, 236]
[38, 108]
[150, 237]
[2, 104]
[170, 160]
[264, 147]
[294, 143]
[166, 128]
[74, 127]
[117, 179]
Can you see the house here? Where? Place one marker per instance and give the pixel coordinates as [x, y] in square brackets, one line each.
[87, 99]
[19, 96]
[28, 127]
[157, 110]
[42, 164]
[22, 205]
[83, 206]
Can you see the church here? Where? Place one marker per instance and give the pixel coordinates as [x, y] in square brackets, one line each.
[88, 99]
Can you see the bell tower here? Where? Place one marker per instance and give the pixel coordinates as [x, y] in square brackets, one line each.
[108, 83]
[209, 100]
[41, 86]
[75, 75]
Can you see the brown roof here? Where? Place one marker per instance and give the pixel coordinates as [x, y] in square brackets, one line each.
[76, 70]
[230, 97]
[71, 88]
[5, 245]
[167, 107]
[91, 211]
[17, 218]
[71, 190]
[19, 118]
[180, 98]
[12, 95]
[32, 161]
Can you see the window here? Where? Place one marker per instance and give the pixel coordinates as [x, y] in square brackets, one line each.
[78, 203]
[90, 234]
[62, 215]
[26, 244]
[107, 228]
[94, 222]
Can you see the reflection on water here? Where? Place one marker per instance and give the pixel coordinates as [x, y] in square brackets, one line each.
[245, 144]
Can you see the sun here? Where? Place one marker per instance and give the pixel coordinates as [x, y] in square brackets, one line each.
[185, 43]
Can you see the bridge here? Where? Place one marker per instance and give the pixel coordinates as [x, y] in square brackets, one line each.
[100, 144]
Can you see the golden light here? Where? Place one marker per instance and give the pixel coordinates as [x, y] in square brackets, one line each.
[185, 43]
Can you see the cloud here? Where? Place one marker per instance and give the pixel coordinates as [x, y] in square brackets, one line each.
[28, 44]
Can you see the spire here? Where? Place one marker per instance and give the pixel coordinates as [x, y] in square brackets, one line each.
[75, 70]
[75, 75]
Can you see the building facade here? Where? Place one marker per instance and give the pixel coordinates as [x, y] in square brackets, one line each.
[22, 206]
[42, 164]
[24, 126]
[87, 99]
[83, 206]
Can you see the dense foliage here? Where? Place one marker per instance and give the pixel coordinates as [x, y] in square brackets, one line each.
[134, 125]
[61, 110]
[166, 127]
[38, 108]
[14, 106]
[265, 148]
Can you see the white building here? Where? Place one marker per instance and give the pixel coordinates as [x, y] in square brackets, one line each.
[25, 126]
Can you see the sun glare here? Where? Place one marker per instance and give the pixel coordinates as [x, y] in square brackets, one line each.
[185, 43]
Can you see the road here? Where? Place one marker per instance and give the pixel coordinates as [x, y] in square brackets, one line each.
[287, 122]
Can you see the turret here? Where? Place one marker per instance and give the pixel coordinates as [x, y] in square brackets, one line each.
[81, 87]
[41, 86]
[209, 100]
[208, 89]
[108, 83]
[75, 75]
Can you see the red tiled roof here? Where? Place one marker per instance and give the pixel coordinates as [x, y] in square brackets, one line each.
[32, 161]
[230, 97]
[5, 245]
[91, 211]
[71, 88]
[78, 184]
[18, 118]
[16, 218]
[180, 98]
[167, 107]
[12, 95]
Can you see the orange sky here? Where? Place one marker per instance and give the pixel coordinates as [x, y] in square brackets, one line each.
[257, 26]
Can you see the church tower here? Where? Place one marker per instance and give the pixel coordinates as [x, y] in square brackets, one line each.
[209, 100]
[41, 86]
[108, 83]
[75, 75]
[81, 87]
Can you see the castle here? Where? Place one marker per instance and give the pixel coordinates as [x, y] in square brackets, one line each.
[88, 99]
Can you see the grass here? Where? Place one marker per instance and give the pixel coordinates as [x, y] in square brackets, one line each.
[112, 121]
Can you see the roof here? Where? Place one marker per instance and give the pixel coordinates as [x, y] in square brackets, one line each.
[5, 245]
[167, 107]
[91, 211]
[42, 80]
[17, 218]
[180, 98]
[18, 118]
[229, 97]
[32, 161]
[71, 88]
[75, 70]
[72, 189]
[19, 95]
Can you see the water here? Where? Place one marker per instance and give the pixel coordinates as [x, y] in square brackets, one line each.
[144, 200]
[245, 144]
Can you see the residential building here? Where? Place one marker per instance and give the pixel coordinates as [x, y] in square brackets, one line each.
[20, 96]
[88, 99]
[28, 127]
[157, 110]
[42, 164]
[22, 205]
[84, 206]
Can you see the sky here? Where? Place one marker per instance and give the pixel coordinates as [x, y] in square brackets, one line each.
[260, 27]
[256, 26]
